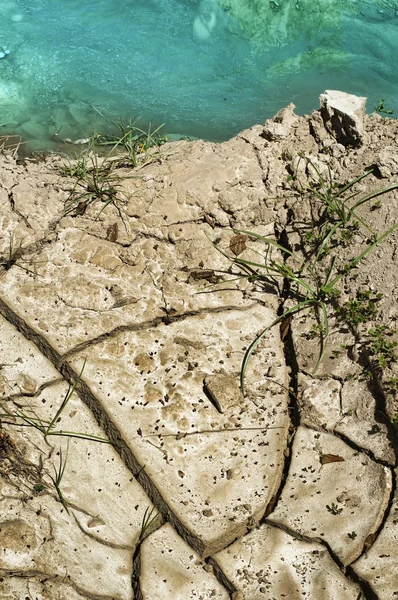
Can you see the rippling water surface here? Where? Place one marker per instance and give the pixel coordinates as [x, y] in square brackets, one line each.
[205, 68]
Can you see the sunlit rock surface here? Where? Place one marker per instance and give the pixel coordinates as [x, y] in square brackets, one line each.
[132, 462]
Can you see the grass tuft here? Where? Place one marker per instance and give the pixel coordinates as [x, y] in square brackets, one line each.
[314, 283]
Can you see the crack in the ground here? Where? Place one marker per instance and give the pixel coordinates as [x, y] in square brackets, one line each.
[103, 238]
[99, 311]
[344, 438]
[371, 539]
[351, 576]
[292, 367]
[107, 425]
[16, 255]
[198, 221]
[220, 576]
[17, 212]
[292, 364]
[42, 577]
[376, 389]
[180, 436]
[169, 318]
[136, 573]
[35, 394]
[99, 540]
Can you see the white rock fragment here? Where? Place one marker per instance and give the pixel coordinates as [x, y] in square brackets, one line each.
[223, 388]
[343, 116]
[269, 563]
[278, 128]
[387, 163]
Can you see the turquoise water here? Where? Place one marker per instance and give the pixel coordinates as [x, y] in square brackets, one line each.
[205, 68]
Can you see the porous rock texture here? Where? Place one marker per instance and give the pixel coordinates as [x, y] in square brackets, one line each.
[161, 477]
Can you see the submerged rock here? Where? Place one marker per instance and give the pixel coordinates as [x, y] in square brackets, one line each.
[4, 51]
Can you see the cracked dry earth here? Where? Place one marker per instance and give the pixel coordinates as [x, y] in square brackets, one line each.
[286, 492]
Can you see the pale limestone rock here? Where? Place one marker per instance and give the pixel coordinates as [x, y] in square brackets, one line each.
[278, 128]
[22, 368]
[378, 565]
[388, 161]
[333, 493]
[224, 390]
[172, 571]
[343, 115]
[81, 292]
[269, 563]
[347, 408]
[105, 502]
[96, 485]
[39, 587]
[320, 402]
[217, 471]
[40, 205]
[308, 170]
[39, 537]
[14, 230]
[160, 322]
[339, 364]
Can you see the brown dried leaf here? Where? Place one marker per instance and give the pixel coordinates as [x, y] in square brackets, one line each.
[331, 458]
[285, 326]
[370, 540]
[112, 232]
[238, 244]
[199, 274]
[81, 208]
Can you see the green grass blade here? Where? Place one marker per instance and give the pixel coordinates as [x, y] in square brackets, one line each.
[357, 259]
[65, 401]
[268, 241]
[326, 240]
[324, 335]
[58, 477]
[329, 275]
[351, 183]
[255, 343]
[78, 435]
[33, 422]
[374, 194]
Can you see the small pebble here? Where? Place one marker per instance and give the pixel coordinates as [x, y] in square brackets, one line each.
[16, 18]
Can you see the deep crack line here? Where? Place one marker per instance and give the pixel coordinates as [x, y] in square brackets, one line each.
[374, 537]
[369, 454]
[42, 577]
[167, 319]
[108, 426]
[346, 571]
[136, 574]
